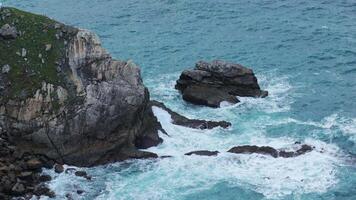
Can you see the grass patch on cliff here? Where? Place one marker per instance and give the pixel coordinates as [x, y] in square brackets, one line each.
[27, 72]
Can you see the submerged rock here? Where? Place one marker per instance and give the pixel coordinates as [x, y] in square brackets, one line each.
[212, 83]
[203, 153]
[191, 123]
[266, 150]
[80, 103]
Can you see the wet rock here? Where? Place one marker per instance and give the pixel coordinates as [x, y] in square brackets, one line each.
[266, 150]
[212, 83]
[58, 168]
[8, 32]
[191, 123]
[82, 174]
[203, 153]
[80, 192]
[42, 189]
[248, 149]
[45, 178]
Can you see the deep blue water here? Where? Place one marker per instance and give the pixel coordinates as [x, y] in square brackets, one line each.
[302, 51]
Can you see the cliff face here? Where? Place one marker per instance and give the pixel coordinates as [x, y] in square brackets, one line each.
[63, 96]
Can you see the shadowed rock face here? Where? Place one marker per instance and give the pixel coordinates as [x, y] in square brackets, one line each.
[203, 153]
[212, 83]
[191, 123]
[81, 103]
[265, 150]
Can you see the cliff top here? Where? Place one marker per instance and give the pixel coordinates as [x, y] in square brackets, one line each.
[31, 49]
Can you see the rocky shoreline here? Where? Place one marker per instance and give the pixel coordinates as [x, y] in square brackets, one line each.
[64, 98]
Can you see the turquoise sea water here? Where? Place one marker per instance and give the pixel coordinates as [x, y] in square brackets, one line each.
[302, 51]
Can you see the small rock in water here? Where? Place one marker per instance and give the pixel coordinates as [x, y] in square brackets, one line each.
[5, 69]
[58, 168]
[8, 32]
[203, 153]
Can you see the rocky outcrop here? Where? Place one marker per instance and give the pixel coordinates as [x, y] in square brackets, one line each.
[266, 150]
[67, 99]
[8, 32]
[203, 153]
[212, 83]
[178, 119]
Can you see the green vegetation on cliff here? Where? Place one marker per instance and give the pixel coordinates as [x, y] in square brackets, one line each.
[35, 55]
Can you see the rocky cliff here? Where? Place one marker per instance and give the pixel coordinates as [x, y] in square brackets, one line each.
[63, 96]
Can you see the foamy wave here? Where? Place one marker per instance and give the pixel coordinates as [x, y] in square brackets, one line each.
[274, 178]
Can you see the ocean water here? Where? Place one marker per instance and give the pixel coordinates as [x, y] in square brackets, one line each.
[302, 51]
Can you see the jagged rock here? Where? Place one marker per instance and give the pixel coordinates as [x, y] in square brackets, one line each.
[8, 32]
[191, 123]
[266, 150]
[94, 107]
[203, 153]
[212, 83]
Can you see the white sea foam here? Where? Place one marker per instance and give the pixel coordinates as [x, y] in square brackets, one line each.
[179, 176]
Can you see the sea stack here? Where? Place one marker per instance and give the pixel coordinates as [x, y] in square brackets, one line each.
[211, 83]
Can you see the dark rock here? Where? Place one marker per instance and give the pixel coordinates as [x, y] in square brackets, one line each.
[191, 123]
[212, 83]
[203, 153]
[248, 149]
[8, 32]
[166, 157]
[42, 189]
[81, 173]
[58, 168]
[80, 192]
[69, 196]
[45, 178]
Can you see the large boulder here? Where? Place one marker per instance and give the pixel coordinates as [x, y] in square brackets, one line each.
[65, 97]
[212, 83]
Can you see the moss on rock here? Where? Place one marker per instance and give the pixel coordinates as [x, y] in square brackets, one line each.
[35, 55]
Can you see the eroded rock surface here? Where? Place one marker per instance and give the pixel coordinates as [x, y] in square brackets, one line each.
[71, 100]
[212, 83]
